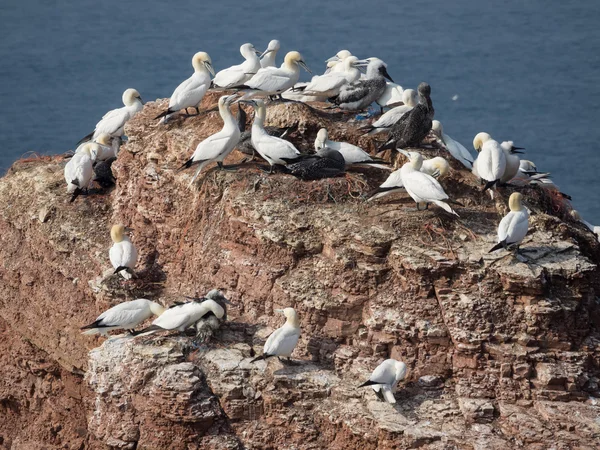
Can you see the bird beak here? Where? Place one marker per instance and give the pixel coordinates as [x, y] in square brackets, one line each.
[226, 301]
[404, 152]
[361, 63]
[210, 68]
[516, 151]
[257, 52]
[387, 75]
[141, 101]
[129, 230]
[279, 310]
[303, 65]
[265, 52]
[333, 58]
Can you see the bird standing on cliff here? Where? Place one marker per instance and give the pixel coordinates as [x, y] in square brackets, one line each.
[273, 149]
[282, 341]
[80, 169]
[113, 122]
[216, 147]
[267, 59]
[513, 227]
[190, 92]
[275, 80]
[412, 128]
[385, 379]
[421, 187]
[352, 154]
[491, 161]
[455, 148]
[182, 316]
[410, 99]
[238, 75]
[513, 162]
[361, 93]
[124, 316]
[123, 254]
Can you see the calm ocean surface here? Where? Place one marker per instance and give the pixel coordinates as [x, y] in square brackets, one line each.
[526, 71]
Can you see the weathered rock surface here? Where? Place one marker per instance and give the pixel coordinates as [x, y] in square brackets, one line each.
[501, 354]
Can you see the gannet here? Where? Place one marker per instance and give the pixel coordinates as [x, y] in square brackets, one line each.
[103, 146]
[123, 254]
[267, 59]
[114, 121]
[79, 170]
[190, 92]
[216, 147]
[283, 340]
[271, 148]
[513, 162]
[513, 227]
[593, 228]
[103, 173]
[455, 148]
[361, 93]
[329, 85]
[334, 64]
[415, 126]
[392, 94]
[491, 161]
[238, 75]
[124, 316]
[385, 379]
[388, 119]
[352, 154]
[326, 163]
[181, 316]
[275, 80]
[209, 323]
[436, 167]
[421, 187]
[528, 171]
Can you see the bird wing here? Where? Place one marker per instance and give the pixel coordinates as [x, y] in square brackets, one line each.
[172, 318]
[394, 180]
[213, 146]
[384, 373]
[129, 255]
[424, 186]
[282, 341]
[459, 152]
[353, 154]
[189, 93]
[233, 76]
[328, 82]
[352, 92]
[392, 116]
[82, 170]
[269, 79]
[115, 254]
[513, 227]
[112, 121]
[275, 147]
[128, 318]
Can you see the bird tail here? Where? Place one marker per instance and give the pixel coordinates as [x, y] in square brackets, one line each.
[369, 383]
[489, 185]
[92, 328]
[91, 332]
[86, 138]
[76, 194]
[445, 206]
[189, 163]
[123, 268]
[498, 246]
[378, 164]
[263, 356]
[164, 113]
[150, 329]
[389, 145]
[454, 202]
[381, 192]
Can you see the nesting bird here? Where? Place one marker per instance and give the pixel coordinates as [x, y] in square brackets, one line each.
[326, 163]
[385, 378]
[334, 63]
[361, 93]
[79, 170]
[513, 162]
[410, 98]
[282, 341]
[392, 95]
[352, 154]
[124, 316]
[455, 148]
[209, 323]
[267, 59]
[190, 92]
[123, 254]
[329, 84]
[113, 122]
[216, 147]
[491, 161]
[513, 227]
[415, 126]
[238, 75]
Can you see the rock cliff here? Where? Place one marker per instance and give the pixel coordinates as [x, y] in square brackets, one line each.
[501, 353]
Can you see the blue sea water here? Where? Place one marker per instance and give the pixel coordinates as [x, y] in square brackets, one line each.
[525, 70]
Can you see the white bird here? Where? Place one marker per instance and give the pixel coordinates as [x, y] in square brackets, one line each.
[436, 167]
[352, 154]
[80, 169]
[275, 80]
[113, 122]
[267, 59]
[216, 147]
[385, 379]
[513, 162]
[361, 93]
[104, 145]
[410, 97]
[593, 228]
[124, 316]
[181, 316]
[455, 148]
[123, 254]
[513, 227]
[391, 95]
[190, 92]
[238, 75]
[421, 187]
[491, 161]
[273, 149]
[334, 63]
[329, 85]
[528, 172]
[282, 341]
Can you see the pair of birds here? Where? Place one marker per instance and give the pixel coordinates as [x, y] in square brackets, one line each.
[496, 163]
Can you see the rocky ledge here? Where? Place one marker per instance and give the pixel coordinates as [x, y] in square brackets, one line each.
[501, 353]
